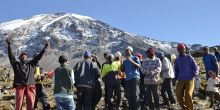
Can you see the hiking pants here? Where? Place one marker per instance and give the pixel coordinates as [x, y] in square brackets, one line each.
[151, 90]
[167, 92]
[29, 92]
[84, 98]
[114, 88]
[41, 95]
[184, 90]
[132, 93]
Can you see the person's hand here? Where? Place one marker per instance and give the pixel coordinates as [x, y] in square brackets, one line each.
[9, 39]
[129, 59]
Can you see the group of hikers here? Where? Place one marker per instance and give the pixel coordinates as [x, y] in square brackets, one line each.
[140, 78]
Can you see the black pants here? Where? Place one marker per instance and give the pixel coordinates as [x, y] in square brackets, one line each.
[213, 96]
[132, 92]
[41, 95]
[96, 94]
[166, 92]
[84, 96]
[151, 90]
[142, 91]
[114, 88]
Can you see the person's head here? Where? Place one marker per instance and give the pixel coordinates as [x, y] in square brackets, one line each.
[150, 52]
[63, 59]
[106, 56]
[87, 54]
[140, 56]
[161, 55]
[215, 49]
[205, 49]
[110, 58]
[128, 51]
[23, 57]
[187, 49]
[212, 75]
[181, 48]
[94, 57]
[118, 55]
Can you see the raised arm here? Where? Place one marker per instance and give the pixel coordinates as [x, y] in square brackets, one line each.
[11, 55]
[39, 56]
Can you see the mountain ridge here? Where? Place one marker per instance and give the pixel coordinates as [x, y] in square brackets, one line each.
[72, 34]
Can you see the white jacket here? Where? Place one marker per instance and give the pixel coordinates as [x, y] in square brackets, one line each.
[211, 84]
[167, 69]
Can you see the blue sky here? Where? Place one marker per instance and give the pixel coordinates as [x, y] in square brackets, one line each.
[187, 21]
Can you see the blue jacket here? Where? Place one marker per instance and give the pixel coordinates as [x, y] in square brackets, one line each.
[185, 67]
[130, 70]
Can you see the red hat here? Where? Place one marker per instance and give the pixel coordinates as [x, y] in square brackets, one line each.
[150, 50]
[139, 55]
[181, 46]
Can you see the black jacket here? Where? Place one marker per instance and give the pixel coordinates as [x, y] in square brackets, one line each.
[86, 73]
[24, 71]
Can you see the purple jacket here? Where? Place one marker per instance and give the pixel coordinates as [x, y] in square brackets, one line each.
[185, 67]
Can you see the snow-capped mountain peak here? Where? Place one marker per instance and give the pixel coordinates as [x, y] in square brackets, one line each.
[72, 34]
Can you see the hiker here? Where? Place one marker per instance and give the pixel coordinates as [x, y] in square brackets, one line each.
[212, 90]
[86, 73]
[142, 95]
[185, 69]
[97, 90]
[118, 60]
[131, 68]
[187, 49]
[105, 84]
[95, 59]
[63, 82]
[24, 81]
[210, 62]
[40, 91]
[217, 54]
[151, 68]
[110, 72]
[167, 74]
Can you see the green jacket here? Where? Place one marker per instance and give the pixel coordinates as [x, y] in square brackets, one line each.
[63, 80]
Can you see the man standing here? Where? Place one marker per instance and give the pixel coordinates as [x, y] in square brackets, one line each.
[217, 54]
[185, 69]
[210, 62]
[131, 68]
[63, 85]
[167, 74]
[151, 68]
[111, 71]
[24, 80]
[86, 72]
